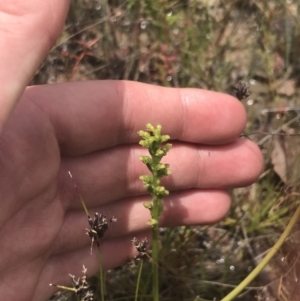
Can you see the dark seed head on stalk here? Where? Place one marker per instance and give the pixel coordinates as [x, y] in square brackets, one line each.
[141, 246]
[99, 225]
[241, 90]
[80, 287]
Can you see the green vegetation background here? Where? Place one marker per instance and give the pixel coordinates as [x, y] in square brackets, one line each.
[210, 45]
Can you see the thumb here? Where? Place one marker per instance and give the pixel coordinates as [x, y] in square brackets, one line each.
[27, 30]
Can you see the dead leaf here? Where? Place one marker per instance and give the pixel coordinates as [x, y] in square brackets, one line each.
[278, 160]
[288, 88]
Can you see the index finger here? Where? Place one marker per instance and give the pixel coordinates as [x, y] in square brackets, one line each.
[89, 116]
[27, 29]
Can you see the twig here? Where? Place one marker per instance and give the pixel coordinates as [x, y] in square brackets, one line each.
[266, 259]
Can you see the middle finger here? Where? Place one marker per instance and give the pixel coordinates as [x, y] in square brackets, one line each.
[113, 174]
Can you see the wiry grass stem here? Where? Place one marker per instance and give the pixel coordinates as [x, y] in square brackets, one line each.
[266, 259]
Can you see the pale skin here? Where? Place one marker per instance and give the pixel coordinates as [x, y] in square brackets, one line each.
[90, 129]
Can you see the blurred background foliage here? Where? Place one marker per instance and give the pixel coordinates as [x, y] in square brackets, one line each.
[209, 45]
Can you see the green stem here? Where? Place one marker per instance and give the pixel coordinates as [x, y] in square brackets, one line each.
[266, 259]
[155, 285]
[138, 281]
[101, 277]
[155, 239]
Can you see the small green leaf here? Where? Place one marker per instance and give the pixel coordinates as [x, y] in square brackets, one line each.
[146, 159]
[144, 143]
[161, 192]
[148, 205]
[144, 134]
[146, 178]
[165, 138]
[153, 222]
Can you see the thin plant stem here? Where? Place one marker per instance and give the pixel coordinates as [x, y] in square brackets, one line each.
[84, 206]
[233, 294]
[138, 280]
[101, 277]
[155, 278]
[155, 236]
[66, 288]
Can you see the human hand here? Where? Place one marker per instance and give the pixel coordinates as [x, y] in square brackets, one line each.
[90, 129]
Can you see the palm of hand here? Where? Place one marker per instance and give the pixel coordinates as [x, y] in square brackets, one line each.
[55, 129]
[33, 211]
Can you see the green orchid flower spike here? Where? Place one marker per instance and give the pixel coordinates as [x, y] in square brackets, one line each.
[157, 145]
